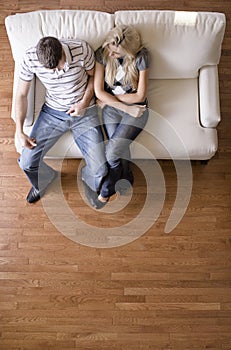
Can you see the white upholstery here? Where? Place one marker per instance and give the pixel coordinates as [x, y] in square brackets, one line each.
[174, 124]
[183, 90]
[181, 42]
[25, 29]
[209, 97]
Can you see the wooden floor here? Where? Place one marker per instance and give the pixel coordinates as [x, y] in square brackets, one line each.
[160, 291]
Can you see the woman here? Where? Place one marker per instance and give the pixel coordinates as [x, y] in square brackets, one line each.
[121, 77]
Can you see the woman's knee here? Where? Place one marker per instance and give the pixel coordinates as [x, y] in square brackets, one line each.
[117, 148]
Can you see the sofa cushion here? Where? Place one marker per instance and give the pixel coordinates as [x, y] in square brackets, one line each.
[25, 29]
[173, 129]
[180, 42]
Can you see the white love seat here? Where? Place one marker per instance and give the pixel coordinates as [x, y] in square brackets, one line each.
[183, 90]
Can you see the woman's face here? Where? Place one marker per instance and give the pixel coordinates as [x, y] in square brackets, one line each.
[115, 51]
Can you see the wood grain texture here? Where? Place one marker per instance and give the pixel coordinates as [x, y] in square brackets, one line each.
[161, 291]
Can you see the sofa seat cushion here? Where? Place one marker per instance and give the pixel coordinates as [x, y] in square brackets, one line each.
[173, 130]
[174, 124]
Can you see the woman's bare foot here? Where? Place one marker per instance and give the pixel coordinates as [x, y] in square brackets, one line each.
[103, 199]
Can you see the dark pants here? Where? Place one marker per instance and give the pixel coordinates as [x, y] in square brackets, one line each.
[121, 130]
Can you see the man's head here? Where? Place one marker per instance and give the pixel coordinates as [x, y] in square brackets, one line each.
[49, 51]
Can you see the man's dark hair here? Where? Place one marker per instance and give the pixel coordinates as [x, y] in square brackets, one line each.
[49, 51]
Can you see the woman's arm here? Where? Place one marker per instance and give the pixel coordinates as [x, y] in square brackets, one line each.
[107, 99]
[100, 93]
[141, 93]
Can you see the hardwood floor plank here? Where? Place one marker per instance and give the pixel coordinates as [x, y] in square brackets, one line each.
[159, 292]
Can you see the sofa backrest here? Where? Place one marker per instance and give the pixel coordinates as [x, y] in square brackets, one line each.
[180, 42]
[25, 29]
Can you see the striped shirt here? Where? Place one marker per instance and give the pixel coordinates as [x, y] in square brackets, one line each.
[67, 86]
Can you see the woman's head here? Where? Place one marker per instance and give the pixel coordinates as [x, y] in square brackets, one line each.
[122, 41]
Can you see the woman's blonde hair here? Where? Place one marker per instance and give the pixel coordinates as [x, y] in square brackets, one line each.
[129, 40]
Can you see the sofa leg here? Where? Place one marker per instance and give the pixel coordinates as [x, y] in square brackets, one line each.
[204, 161]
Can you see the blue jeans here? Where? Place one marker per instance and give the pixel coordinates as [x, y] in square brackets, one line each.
[121, 129]
[49, 127]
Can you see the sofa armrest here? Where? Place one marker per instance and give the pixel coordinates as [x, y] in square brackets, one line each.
[209, 97]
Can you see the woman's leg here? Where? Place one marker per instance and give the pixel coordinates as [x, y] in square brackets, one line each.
[122, 129]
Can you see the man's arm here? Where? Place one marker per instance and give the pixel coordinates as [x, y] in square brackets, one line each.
[21, 109]
[89, 93]
[79, 108]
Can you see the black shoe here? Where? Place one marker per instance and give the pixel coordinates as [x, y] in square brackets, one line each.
[34, 195]
[99, 204]
[90, 194]
[92, 197]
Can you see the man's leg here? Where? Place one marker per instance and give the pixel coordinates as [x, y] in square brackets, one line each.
[46, 131]
[88, 136]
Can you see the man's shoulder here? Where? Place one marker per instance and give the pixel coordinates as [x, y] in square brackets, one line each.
[31, 50]
[30, 55]
[72, 43]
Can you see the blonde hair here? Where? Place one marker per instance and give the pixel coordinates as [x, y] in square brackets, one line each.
[129, 40]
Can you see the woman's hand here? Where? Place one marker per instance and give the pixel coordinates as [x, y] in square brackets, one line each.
[136, 111]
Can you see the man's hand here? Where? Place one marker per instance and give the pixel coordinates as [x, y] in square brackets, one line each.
[26, 141]
[77, 109]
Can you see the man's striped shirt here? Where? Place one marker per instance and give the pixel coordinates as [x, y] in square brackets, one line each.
[65, 87]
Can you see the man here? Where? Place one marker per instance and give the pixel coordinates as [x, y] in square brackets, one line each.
[66, 69]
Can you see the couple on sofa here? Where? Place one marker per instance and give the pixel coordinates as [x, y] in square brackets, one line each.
[73, 75]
